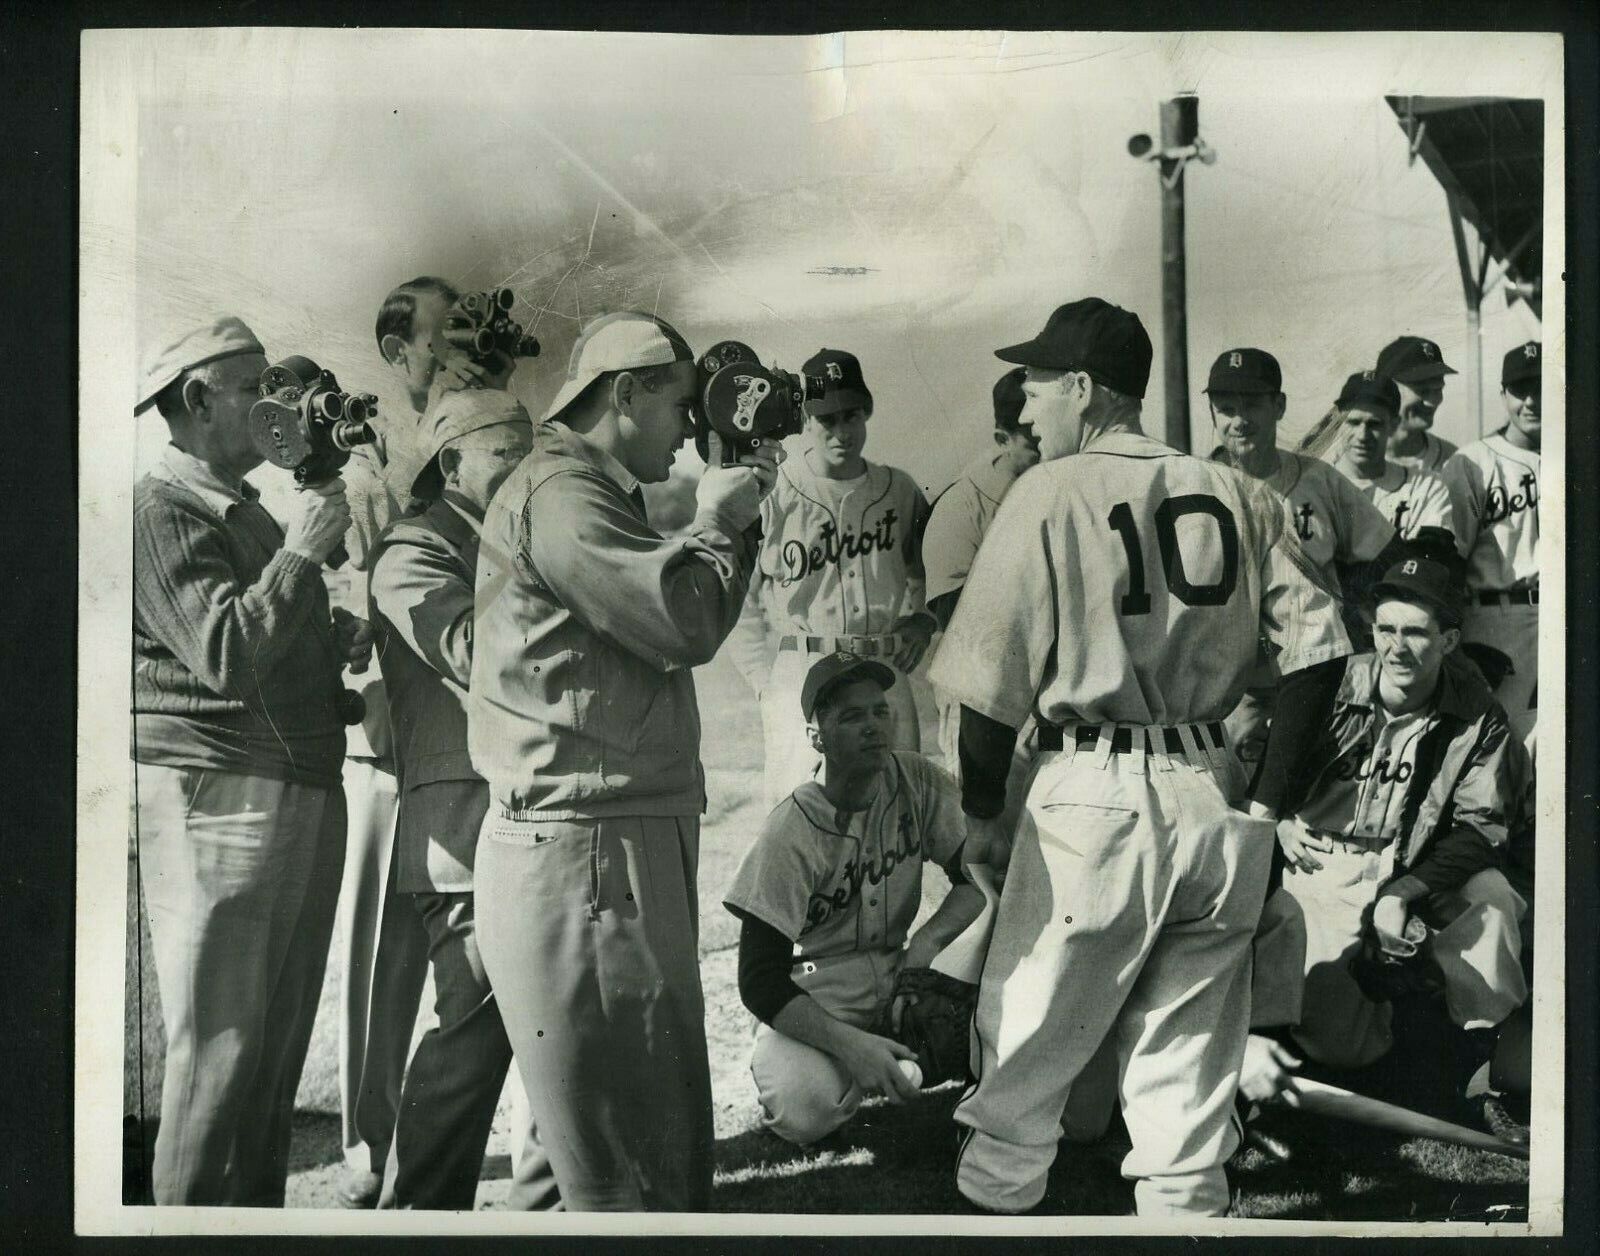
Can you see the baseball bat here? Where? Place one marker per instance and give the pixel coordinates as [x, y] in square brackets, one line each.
[1326, 1100]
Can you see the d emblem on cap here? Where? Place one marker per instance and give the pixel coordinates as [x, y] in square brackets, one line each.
[835, 371]
[1429, 349]
[1530, 351]
[1236, 360]
[1369, 376]
[1410, 568]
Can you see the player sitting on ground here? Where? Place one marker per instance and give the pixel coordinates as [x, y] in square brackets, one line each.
[1395, 853]
[827, 895]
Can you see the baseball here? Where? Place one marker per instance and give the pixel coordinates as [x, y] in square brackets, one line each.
[912, 1072]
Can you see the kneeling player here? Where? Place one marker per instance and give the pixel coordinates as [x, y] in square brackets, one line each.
[1398, 851]
[827, 895]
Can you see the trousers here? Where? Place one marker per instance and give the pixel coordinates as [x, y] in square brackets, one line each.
[453, 1085]
[805, 1093]
[791, 759]
[385, 952]
[1477, 946]
[241, 877]
[1514, 631]
[1128, 910]
[589, 932]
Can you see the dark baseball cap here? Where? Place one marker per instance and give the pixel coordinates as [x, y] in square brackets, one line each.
[1245, 371]
[1368, 388]
[1105, 341]
[1521, 364]
[1425, 581]
[835, 669]
[1009, 398]
[1411, 359]
[843, 388]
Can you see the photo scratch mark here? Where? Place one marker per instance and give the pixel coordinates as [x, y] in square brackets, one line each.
[842, 270]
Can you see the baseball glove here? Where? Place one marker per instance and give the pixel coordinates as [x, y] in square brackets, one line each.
[1383, 977]
[936, 1023]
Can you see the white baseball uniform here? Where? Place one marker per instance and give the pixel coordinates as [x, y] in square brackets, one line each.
[960, 517]
[1436, 451]
[1408, 498]
[1119, 594]
[1495, 489]
[1334, 523]
[840, 564]
[847, 897]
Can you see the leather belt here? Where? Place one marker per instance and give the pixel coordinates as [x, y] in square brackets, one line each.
[1171, 740]
[867, 645]
[1511, 597]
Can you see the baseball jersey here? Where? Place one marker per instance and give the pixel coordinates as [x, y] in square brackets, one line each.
[1334, 521]
[1129, 584]
[1436, 451]
[1365, 790]
[959, 519]
[836, 891]
[837, 558]
[1495, 490]
[1408, 498]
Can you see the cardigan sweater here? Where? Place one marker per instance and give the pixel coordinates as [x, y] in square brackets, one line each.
[235, 663]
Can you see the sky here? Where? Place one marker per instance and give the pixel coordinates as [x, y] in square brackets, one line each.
[980, 179]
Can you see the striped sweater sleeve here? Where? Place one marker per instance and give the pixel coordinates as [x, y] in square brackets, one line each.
[189, 598]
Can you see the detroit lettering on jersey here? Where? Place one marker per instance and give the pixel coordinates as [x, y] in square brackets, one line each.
[859, 872]
[1500, 503]
[801, 560]
[1359, 765]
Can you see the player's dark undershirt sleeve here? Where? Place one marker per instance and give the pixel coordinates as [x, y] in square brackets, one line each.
[765, 960]
[944, 606]
[985, 750]
[1303, 711]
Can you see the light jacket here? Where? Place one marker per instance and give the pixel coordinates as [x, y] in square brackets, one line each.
[1469, 778]
[422, 569]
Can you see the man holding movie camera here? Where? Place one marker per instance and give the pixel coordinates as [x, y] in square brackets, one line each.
[385, 948]
[237, 741]
[582, 717]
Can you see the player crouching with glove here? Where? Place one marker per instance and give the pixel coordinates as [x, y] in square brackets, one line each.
[1395, 856]
[827, 895]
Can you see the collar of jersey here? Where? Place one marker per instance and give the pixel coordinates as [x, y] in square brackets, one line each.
[811, 791]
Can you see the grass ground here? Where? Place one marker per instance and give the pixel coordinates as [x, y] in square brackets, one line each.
[899, 1160]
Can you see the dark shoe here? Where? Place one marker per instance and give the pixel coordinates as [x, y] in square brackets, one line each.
[1507, 1118]
[360, 1190]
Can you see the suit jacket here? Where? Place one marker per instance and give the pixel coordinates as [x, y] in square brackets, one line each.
[422, 572]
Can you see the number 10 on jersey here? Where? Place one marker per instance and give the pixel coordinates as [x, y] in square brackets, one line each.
[1136, 601]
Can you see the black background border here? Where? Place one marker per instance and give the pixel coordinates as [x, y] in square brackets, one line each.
[39, 157]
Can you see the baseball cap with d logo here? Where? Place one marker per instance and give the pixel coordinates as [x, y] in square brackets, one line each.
[1245, 371]
[843, 387]
[835, 669]
[1411, 359]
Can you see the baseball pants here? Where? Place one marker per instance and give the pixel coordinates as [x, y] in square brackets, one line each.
[1514, 631]
[588, 931]
[791, 759]
[806, 1093]
[1133, 893]
[241, 877]
[453, 1085]
[385, 952]
[1477, 946]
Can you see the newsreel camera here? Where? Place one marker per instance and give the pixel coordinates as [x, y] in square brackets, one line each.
[306, 424]
[480, 325]
[744, 402]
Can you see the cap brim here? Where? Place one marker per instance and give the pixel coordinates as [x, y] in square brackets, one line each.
[1401, 593]
[842, 399]
[1242, 386]
[866, 668]
[570, 392]
[1028, 353]
[1417, 375]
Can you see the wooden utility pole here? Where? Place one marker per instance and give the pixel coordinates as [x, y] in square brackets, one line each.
[1179, 119]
